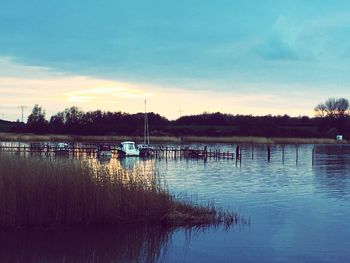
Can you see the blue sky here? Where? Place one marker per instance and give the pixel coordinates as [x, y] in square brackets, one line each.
[249, 57]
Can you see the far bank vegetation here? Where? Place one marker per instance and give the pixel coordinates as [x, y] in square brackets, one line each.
[331, 118]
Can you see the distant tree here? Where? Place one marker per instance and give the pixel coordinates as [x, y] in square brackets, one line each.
[57, 122]
[334, 108]
[68, 121]
[73, 115]
[320, 110]
[36, 120]
[342, 107]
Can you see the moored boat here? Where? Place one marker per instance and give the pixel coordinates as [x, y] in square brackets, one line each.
[104, 150]
[128, 148]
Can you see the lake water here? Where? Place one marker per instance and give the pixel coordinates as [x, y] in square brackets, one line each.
[299, 211]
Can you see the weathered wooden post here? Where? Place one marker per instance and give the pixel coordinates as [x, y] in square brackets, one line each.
[252, 152]
[297, 154]
[283, 154]
[73, 148]
[313, 156]
[237, 152]
[205, 152]
[268, 153]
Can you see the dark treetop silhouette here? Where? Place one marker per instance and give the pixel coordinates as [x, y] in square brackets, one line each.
[332, 118]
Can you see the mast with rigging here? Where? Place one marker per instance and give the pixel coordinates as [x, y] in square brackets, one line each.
[146, 129]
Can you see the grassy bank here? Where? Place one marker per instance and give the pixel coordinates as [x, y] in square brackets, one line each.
[167, 139]
[262, 140]
[37, 192]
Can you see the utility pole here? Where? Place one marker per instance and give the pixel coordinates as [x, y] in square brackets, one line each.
[180, 111]
[22, 107]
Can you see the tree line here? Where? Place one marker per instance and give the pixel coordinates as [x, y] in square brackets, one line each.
[75, 121]
[332, 107]
[332, 117]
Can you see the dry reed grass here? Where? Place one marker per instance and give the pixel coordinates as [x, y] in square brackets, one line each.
[261, 140]
[37, 192]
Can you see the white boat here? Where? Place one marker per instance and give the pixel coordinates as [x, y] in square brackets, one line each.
[61, 147]
[128, 148]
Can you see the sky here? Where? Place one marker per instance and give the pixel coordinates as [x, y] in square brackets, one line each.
[185, 56]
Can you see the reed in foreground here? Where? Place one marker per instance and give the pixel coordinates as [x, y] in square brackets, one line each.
[36, 192]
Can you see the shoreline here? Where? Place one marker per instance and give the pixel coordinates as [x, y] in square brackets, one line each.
[27, 137]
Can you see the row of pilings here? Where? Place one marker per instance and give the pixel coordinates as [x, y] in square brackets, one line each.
[77, 149]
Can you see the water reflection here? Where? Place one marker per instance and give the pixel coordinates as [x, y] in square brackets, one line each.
[125, 244]
[333, 159]
[331, 169]
[288, 199]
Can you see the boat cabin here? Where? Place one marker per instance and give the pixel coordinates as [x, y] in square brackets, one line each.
[129, 148]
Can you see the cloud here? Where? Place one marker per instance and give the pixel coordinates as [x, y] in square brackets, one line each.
[275, 48]
[281, 43]
[319, 40]
[103, 93]
[55, 91]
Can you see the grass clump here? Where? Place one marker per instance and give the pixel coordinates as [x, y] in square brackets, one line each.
[37, 192]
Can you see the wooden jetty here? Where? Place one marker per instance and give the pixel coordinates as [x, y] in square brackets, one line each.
[167, 152]
[77, 149]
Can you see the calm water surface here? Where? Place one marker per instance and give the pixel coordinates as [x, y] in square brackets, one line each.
[299, 211]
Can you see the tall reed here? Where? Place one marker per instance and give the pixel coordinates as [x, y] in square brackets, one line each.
[37, 192]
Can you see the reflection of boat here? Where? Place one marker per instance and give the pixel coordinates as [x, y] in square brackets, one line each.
[145, 148]
[128, 148]
[129, 163]
[104, 159]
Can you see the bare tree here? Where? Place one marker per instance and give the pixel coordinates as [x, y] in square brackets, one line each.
[320, 110]
[342, 107]
[332, 107]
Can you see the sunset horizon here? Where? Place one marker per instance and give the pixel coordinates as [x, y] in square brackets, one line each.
[232, 57]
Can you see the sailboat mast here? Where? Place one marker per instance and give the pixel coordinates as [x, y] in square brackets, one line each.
[146, 129]
[145, 126]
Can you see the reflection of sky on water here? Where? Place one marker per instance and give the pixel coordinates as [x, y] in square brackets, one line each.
[332, 170]
[298, 211]
[295, 215]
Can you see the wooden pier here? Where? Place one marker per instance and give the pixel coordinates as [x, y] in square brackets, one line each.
[166, 152]
[76, 149]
